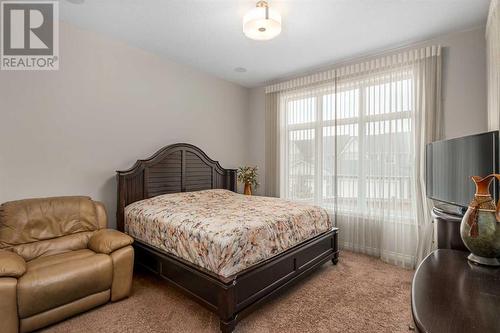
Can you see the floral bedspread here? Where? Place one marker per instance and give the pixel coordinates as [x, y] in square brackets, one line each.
[222, 231]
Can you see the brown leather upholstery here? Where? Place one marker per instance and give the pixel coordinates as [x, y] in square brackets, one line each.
[123, 265]
[102, 216]
[8, 305]
[11, 264]
[55, 261]
[68, 277]
[64, 311]
[33, 220]
[47, 261]
[53, 246]
[108, 240]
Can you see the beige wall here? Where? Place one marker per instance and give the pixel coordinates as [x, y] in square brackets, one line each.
[464, 91]
[464, 83]
[257, 134]
[66, 132]
[493, 65]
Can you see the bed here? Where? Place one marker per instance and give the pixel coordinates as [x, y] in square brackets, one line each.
[228, 251]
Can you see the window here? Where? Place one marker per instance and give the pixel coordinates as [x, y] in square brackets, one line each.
[350, 148]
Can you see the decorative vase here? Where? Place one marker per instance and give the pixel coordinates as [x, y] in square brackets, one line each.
[480, 227]
[248, 189]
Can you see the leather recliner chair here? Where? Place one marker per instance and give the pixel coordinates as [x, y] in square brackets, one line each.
[58, 259]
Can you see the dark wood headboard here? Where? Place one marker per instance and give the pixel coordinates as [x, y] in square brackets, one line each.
[180, 167]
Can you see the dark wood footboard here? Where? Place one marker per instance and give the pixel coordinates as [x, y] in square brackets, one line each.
[232, 298]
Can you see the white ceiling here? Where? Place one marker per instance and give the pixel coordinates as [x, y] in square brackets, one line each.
[207, 34]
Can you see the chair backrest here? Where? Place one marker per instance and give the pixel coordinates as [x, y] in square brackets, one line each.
[37, 227]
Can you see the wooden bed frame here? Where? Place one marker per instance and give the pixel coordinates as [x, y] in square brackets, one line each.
[183, 167]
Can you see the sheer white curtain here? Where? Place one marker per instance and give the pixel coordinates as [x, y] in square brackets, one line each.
[307, 124]
[428, 119]
[352, 139]
[299, 97]
[375, 182]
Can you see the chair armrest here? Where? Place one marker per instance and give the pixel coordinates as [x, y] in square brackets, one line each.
[11, 264]
[108, 240]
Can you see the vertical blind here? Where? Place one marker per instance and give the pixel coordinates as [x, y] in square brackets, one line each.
[346, 142]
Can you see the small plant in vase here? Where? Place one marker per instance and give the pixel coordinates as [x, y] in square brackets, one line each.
[248, 176]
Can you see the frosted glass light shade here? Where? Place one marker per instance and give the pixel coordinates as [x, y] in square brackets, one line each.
[259, 25]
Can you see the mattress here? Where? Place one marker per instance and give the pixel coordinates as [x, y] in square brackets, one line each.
[222, 231]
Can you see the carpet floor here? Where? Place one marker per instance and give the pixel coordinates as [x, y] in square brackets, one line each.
[360, 294]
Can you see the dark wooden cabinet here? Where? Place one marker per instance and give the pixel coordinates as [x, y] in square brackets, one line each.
[452, 295]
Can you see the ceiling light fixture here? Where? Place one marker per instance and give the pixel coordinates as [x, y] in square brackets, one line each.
[261, 22]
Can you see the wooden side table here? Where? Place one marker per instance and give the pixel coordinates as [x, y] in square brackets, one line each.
[450, 294]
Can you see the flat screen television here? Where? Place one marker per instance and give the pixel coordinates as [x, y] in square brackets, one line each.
[451, 163]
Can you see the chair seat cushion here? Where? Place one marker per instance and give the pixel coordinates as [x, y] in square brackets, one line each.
[56, 280]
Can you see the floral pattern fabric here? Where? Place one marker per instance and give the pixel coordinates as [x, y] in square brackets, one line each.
[222, 231]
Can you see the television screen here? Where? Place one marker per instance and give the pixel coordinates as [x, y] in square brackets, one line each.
[451, 163]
